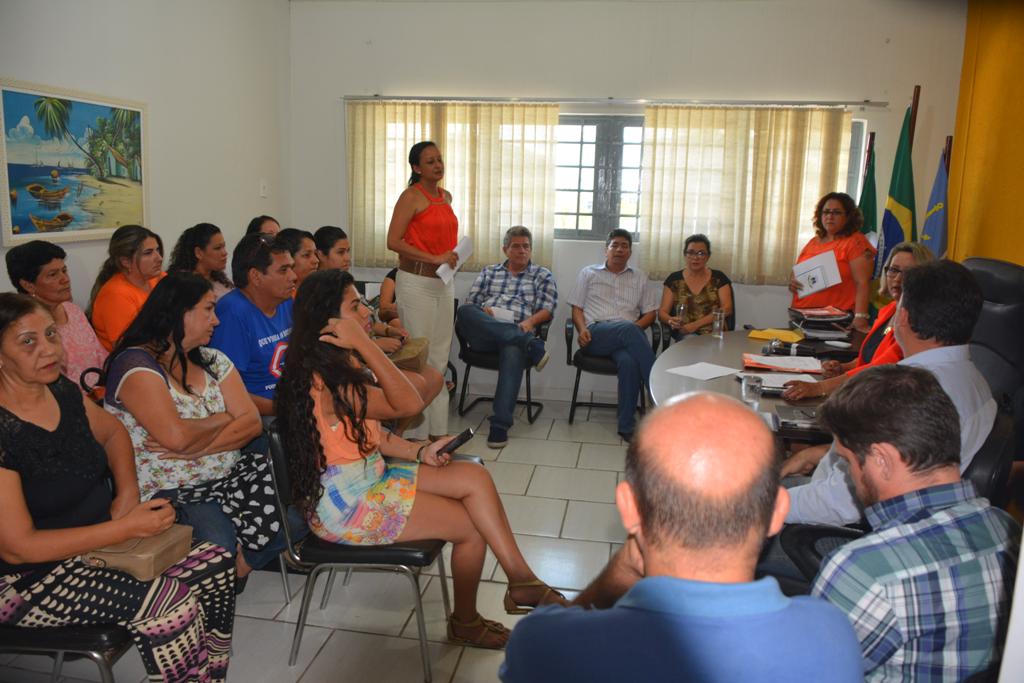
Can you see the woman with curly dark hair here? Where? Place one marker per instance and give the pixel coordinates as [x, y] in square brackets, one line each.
[837, 223]
[202, 250]
[190, 419]
[338, 385]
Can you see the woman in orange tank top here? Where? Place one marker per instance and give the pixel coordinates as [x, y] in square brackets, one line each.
[423, 232]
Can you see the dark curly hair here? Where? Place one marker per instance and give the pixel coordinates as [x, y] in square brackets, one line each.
[317, 301]
[26, 261]
[183, 256]
[854, 218]
[161, 322]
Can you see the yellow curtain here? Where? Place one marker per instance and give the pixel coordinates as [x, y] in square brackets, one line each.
[987, 166]
[746, 177]
[499, 167]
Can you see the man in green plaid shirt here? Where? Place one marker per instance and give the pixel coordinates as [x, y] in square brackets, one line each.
[928, 590]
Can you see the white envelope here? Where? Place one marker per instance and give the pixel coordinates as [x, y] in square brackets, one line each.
[817, 273]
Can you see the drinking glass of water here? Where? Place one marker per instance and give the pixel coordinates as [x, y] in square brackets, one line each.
[718, 323]
[750, 390]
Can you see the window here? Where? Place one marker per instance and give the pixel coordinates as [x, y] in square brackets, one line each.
[597, 175]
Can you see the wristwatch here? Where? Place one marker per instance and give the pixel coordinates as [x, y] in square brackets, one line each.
[861, 315]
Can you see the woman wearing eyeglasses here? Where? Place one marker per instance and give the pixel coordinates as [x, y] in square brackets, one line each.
[837, 223]
[691, 295]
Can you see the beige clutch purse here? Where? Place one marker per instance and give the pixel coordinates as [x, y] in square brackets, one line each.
[412, 355]
[144, 558]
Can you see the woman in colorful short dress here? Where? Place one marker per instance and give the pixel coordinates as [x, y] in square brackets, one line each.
[57, 449]
[338, 386]
[695, 292]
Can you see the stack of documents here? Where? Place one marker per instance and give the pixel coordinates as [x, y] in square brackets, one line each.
[782, 363]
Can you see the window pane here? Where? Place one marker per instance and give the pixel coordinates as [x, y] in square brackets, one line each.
[565, 221]
[586, 179]
[569, 154]
[569, 133]
[628, 204]
[567, 178]
[586, 202]
[585, 222]
[631, 180]
[588, 155]
[627, 223]
[589, 133]
[631, 156]
[633, 134]
[565, 202]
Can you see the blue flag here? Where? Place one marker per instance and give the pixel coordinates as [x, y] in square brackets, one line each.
[933, 234]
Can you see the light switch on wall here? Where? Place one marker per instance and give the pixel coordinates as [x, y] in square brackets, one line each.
[263, 188]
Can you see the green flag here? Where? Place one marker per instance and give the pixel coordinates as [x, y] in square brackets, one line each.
[868, 201]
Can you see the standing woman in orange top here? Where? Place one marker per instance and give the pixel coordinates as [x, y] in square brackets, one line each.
[837, 223]
[133, 267]
[423, 233]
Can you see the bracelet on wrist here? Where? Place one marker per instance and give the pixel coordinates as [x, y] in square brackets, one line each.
[419, 454]
[865, 316]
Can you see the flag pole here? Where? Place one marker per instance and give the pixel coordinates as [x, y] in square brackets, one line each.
[913, 113]
[869, 153]
[947, 151]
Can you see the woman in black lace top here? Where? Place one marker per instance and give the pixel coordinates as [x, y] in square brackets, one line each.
[56, 449]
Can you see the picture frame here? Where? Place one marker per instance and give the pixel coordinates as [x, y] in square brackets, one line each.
[72, 164]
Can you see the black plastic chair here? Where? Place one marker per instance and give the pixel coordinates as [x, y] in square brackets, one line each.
[317, 556]
[599, 365]
[104, 645]
[990, 468]
[489, 361]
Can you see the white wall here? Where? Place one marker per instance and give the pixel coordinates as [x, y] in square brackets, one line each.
[215, 78]
[715, 49]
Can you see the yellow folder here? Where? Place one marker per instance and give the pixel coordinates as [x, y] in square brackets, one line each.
[788, 336]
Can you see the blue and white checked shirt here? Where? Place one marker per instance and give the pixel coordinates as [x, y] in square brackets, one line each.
[928, 590]
[523, 294]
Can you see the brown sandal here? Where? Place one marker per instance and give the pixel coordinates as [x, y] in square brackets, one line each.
[513, 607]
[485, 627]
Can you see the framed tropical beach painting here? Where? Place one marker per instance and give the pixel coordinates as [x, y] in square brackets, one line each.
[71, 164]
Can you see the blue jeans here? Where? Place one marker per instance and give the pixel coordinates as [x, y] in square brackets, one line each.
[488, 335]
[626, 344]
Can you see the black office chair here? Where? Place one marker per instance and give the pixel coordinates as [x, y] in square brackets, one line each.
[990, 468]
[489, 361]
[104, 645]
[995, 345]
[599, 365]
[317, 556]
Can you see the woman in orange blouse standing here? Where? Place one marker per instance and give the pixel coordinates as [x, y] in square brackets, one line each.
[423, 232]
[837, 223]
[133, 267]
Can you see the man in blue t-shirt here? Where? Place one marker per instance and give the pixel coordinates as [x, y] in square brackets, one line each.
[682, 602]
[256, 318]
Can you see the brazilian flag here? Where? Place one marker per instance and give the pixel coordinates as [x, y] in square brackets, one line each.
[898, 223]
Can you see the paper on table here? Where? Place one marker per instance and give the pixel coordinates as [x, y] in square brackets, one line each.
[503, 314]
[817, 273]
[784, 363]
[777, 380]
[703, 371]
[464, 249]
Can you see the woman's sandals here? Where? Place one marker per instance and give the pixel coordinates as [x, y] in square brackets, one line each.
[549, 597]
[486, 633]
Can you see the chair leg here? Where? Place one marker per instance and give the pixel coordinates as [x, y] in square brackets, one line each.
[284, 579]
[327, 589]
[575, 390]
[300, 625]
[442, 575]
[103, 664]
[421, 623]
[462, 393]
[531, 414]
[348, 577]
[58, 664]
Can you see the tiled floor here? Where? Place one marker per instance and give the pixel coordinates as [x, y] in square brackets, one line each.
[557, 482]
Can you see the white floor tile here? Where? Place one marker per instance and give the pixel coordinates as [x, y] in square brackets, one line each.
[364, 657]
[537, 430]
[534, 516]
[264, 594]
[11, 674]
[586, 432]
[128, 668]
[479, 666]
[261, 650]
[603, 415]
[478, 446]
[510, 477]
[594, 456]
[597, 486]
[558, 410]
[373, 602]
[490, 562]
[537, 452]
[562, 563]
[593, 522]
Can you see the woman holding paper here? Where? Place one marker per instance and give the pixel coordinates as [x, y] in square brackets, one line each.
[423, 232]
[837, 223]
[879, 347]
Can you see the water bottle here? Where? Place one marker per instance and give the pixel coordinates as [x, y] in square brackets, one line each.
[718, 323]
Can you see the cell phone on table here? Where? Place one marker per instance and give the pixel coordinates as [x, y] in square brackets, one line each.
[456, 442]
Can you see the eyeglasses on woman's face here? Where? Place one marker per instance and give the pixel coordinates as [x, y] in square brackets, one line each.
[893, 271]
[833, 212]
[695, 254]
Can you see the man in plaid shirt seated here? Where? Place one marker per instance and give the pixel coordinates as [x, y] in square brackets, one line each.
[507, 302]
[928, 590]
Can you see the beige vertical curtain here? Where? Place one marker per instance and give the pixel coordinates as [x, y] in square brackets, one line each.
[499, 167]
[747, 177]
